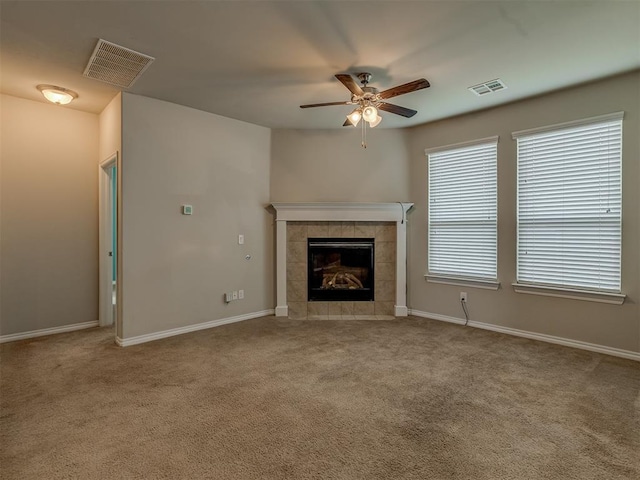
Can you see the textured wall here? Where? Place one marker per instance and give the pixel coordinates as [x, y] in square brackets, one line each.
[49, 218]
[610, 325]
[176, 268]
[331, 166]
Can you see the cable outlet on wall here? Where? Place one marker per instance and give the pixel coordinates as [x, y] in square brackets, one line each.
[240, 294]
[463, 297]
[234, 295]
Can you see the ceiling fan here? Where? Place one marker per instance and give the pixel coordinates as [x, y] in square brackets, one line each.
[369, 100]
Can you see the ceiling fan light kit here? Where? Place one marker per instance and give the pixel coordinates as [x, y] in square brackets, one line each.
[370, 101]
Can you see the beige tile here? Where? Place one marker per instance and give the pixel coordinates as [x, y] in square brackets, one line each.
[363, 308]
[385, 252]
[348, 230]
[384, 308]
[347, 308]
[298, 310]
[296, 232]
[385, 271]
[298, 271]
[385, 317]
[318, 308]
[334, 317]
[364, 230]
[364, 317]
[386, 232]
[334, 308]
[334, 230]
[385, 290]
[348, 317]
[297, 252]
[318, 229]
[296, 291]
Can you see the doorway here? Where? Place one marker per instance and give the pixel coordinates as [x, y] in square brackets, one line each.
[108, 250]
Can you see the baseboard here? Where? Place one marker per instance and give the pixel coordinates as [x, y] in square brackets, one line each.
[150, 337]
[47, 331]
[592, 347]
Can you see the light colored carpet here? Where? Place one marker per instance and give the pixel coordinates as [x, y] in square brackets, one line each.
[284, 399]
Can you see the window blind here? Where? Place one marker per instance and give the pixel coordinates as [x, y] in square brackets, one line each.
[462, 238]
[569, 206]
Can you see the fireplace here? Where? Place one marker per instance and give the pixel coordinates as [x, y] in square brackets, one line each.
[384, 222]
[340, 269]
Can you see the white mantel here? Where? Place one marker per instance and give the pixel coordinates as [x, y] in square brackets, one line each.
[341, 212]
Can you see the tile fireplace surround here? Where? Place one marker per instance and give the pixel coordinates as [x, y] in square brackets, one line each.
[385, 222]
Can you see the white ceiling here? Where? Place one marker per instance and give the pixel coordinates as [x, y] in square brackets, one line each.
[258, 61]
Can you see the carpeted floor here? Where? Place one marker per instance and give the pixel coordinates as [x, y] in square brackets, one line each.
[284, 399]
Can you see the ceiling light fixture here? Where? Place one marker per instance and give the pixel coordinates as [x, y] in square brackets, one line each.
[354, 117]
[57, 95]
[369, 100]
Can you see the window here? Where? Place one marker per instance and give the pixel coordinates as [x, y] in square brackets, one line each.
[569, 205]
[462, 239]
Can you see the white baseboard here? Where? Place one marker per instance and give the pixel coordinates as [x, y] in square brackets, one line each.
[282, 311]
[592, 347]
[149, 337]
[47, 331]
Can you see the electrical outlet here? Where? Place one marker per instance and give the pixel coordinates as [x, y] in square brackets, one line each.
[227, 297]
[240, 294]
[463, 297]
[235, 295]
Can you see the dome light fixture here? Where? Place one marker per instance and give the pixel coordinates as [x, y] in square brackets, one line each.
[57, 95]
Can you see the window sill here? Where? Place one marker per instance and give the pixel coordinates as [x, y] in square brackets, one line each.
[464, 282]
[574, 294]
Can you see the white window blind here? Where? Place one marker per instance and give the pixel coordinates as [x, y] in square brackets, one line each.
[569, 205]
[463, 210]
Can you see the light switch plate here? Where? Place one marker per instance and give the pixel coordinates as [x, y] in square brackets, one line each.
[240, 239]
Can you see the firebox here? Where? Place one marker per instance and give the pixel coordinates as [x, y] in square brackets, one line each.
[340, 269]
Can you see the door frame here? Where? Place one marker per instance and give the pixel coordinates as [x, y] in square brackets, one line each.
[105, 240]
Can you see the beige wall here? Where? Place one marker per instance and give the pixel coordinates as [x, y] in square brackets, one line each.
[331, 166]
[49, 217]
[613, 326]
[176, 268]
[111, 129]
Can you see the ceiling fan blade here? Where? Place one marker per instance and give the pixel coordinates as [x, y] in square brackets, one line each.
[398, 110]
[406, 88]
[350, 83]
[324, 104]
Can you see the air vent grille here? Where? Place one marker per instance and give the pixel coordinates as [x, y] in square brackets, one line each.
[116, 65]
[488, 87]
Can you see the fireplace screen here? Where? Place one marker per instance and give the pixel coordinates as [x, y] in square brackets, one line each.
[340, 269]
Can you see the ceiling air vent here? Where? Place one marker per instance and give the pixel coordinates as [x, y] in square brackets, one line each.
[120, 66]
[488, 87]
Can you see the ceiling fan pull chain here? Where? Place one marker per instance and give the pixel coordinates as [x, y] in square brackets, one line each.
[364, 134]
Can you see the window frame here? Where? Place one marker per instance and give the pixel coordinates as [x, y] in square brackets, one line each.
[484, 282]
[556, 290]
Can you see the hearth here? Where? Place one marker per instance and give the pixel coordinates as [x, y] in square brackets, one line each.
[340, 269]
